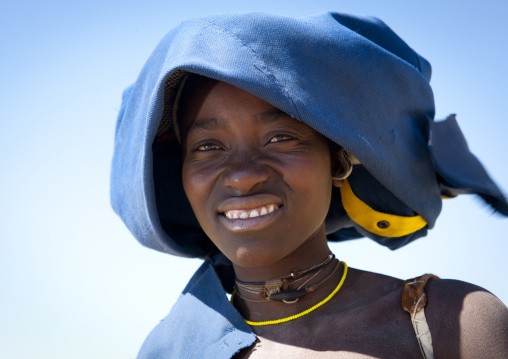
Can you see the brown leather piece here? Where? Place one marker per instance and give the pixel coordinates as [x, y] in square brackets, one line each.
[413, 293]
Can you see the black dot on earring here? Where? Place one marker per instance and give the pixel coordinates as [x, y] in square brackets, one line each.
[383, 224]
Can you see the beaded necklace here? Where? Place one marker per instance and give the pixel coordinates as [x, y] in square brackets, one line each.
[305, 312]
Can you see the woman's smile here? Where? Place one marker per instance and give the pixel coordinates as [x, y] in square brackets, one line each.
[249, 206]
[251, 213]
[250, 220]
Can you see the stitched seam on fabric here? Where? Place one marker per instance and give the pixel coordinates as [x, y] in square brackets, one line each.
[285, 93]
[418, 61]
[154, 227]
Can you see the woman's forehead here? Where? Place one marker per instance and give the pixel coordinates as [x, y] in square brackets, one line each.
[206, 103]
[199, 89]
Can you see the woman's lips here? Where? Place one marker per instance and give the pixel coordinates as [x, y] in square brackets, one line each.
[251, 213]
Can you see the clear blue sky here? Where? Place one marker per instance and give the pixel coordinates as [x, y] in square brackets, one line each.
[73, 282]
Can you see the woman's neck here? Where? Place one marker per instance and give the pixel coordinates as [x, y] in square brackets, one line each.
[310, 253]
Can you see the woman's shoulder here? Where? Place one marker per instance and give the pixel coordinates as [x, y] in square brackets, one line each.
[466, 320]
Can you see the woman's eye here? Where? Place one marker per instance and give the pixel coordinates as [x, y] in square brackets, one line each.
[207, 147]
[281, 138]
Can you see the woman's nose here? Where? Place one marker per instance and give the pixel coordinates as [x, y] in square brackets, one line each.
[243, 174]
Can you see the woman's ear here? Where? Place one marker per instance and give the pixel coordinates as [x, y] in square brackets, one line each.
[337, 182]
[341, 166]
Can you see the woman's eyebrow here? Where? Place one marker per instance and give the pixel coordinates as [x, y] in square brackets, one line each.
[215, 123]
[269, 116]
[208, 124]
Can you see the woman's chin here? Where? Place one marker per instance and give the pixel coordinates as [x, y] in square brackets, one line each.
[247, 258]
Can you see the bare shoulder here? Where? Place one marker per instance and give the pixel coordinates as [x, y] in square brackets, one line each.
[466, 321]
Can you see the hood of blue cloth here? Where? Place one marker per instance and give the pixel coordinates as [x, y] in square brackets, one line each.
[350, 78]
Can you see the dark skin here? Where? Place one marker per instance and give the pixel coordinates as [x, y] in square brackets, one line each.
[241, 154]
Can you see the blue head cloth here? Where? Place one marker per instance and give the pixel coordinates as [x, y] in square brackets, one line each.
[350, 78]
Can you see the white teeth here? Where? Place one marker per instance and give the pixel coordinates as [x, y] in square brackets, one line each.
[237, 213]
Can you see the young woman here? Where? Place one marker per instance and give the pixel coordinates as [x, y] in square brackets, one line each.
[252, 140]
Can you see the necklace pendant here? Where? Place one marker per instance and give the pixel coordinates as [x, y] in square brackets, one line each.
[290, 302]
[288, 296]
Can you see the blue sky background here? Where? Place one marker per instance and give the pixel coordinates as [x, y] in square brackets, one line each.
[73, 282]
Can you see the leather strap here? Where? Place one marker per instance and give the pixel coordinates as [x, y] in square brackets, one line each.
[414, 301]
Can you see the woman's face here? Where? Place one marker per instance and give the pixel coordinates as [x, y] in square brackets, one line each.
[258, 180]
